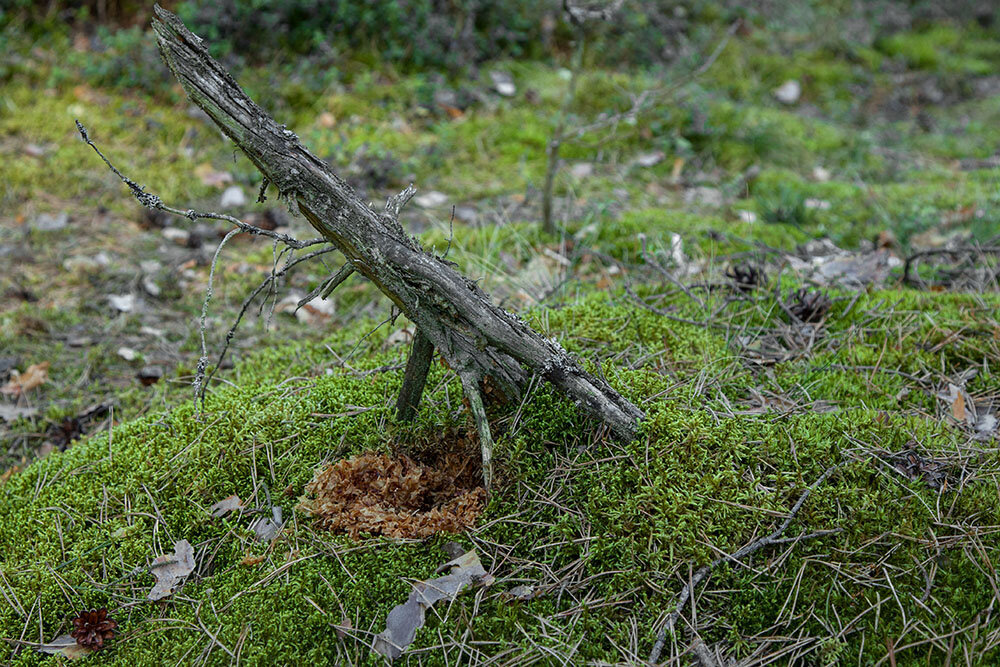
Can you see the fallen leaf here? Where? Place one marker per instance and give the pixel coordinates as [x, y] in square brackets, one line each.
[404, 620]
[675, 172]
[225, 506]
[316, 311]
[9, 413]
[8, 473]
[651, 159]
[66, 646]
[453, 112]
[582, 169]
[35, 150]
[122, 302]
[327, 120]
[916, 467]
[233, 197]
[398, 337]
[177, 235]
[789, 92]
[958, 406]
[431, 199]
[986, 426]
[19, 383]
[170, 570]
[823, 263]
[210, 177]
[267, 528]
[345, 624]
[503, 83]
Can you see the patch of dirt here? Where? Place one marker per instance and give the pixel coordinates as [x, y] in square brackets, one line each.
[397, 496]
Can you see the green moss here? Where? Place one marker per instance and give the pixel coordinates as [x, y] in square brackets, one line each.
[944, 48]
[690, 485]
[608, 531]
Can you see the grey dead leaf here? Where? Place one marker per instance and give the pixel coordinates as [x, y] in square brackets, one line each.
[225, 506]
[650, 159]
[233, 197]
[432, 199]
[210, 177]
[9, 413]
[503, 83]
[986, 426]
[314, 311]
[66, 646]
[170, 570]
[122, 302]
[267, 528]
[401, 336]
[830, 265]
[789, 92]
[405, 619]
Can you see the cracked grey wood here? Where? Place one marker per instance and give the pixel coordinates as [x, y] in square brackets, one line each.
[475, 337]
[415, 377]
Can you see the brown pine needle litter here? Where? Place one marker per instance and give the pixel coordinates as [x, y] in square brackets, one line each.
[395, 496]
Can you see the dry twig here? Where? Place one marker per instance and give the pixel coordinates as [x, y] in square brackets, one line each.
[774, 538]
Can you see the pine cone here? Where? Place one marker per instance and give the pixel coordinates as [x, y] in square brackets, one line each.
[92, 628]
[810, 306]
[746, 276]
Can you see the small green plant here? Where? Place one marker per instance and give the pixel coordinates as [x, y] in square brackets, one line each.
[786, 206]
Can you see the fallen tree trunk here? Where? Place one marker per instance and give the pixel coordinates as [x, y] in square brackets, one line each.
[480, 341]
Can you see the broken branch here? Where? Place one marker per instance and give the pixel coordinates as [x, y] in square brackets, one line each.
[475, 337]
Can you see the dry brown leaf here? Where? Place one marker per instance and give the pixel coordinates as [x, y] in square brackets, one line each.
[454, 113]
[327, 120]
[225, 506]
[8, 473]
[345, 624]
[170, 570]
[675, 173]
[20, 383]
[958, 406]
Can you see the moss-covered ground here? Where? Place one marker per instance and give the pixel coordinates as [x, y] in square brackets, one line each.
[745, 408]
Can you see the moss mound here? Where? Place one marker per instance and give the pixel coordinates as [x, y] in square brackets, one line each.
[604, 532]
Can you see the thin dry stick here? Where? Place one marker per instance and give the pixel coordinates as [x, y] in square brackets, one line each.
[773, 538]
[253, 295]
[647, 98]
[913, 259]
[149, 200]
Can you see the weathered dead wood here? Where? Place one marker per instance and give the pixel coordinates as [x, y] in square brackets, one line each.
[476, 338]
[415, 376]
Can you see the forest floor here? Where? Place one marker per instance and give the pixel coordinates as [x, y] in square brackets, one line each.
[785, 286]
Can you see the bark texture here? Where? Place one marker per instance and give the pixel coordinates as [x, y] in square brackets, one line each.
[476, 338]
